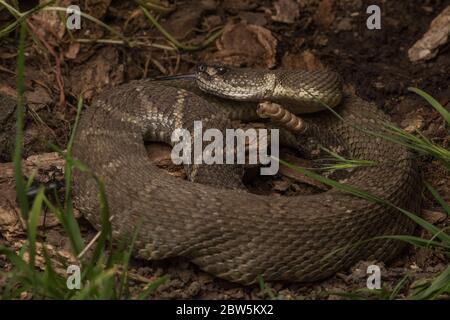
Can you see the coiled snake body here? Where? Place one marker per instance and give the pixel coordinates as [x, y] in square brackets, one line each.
[224, 230]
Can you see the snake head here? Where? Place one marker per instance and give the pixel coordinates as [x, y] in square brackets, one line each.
[232, 83]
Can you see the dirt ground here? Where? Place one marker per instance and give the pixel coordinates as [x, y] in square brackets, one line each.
[310, 34]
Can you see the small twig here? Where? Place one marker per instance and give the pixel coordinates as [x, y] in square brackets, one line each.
[58, 60]
[42, 84]
[146, 65]
[131, 275]
[7, 70]
[11, 9]
[22, 17]
[131, 43]
[171, 39]
[91, 243]
[153, 6]
[177, 64]
[93, 19]
[159, 66]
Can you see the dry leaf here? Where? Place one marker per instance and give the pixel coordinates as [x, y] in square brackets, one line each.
[434, 216]
[306, 60]
[184, 20]
[281, 185]
[247, 44]
[325, 14]
[96, 8]
[100, 71]
[239, 5]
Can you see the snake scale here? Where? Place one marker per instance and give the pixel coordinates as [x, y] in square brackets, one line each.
[209, 219]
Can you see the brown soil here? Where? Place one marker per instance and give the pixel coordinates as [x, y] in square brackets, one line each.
[373, 63]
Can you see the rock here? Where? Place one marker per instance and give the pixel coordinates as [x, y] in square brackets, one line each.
[413, 124]
[436, 36]
[344, 25]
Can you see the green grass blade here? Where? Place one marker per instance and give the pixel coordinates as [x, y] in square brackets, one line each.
[17, 261]
[74, 234]
[398, 287]
[171, 39]
[22, 18]
[17, 157]
[370, 197]
[53, 285]
[418, 242]
[67, 218]
[11, 9]
[436, 232]
[90, 291]
[32, 224]
[349, 295]
[105, 233]
[433, 102]
[126, 261]
[438, 198]
[438, 285]
[75, 125]
[70, 221]
[340, 186]
[418, 143]
[151, 288]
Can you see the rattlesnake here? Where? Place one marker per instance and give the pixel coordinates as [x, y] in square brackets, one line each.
[226, 231]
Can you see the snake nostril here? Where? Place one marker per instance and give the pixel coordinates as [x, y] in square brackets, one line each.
[201, 67]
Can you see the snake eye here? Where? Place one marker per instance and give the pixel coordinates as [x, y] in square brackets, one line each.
[201, 67]
[221, 69]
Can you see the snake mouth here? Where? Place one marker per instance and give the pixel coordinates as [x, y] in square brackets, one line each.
[189, 76]
[224, 90]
